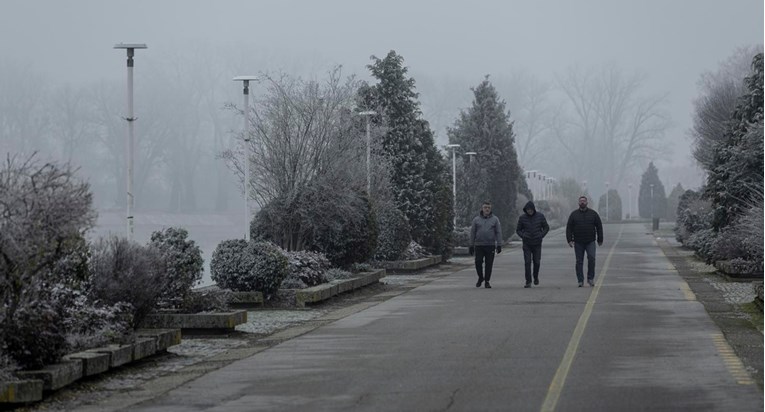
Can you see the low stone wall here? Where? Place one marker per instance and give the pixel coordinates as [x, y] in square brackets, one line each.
[323, 292]
[31, 385]
[212, 322]
[411, 265]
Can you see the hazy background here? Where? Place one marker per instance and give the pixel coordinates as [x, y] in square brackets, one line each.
[62, 85]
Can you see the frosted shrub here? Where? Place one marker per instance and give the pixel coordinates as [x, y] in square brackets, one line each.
[462, 236]
[394, 234]
[184, 264]
[338, 274]
[44, 214]
[257, 266]
[414, 251]
[307, 267]
[90, 325]
[35, 336]
[125, 272]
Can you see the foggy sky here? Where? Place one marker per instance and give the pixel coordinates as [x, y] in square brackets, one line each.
[672, 41]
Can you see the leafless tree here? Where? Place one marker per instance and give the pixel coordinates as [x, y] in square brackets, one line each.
[611, 127]
[719, 92]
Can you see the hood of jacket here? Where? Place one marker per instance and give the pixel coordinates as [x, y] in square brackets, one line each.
[530, 205]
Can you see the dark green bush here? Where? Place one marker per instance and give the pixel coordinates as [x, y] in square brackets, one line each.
[257, 266]
[307, 268]
[394, 234]
[184, 264]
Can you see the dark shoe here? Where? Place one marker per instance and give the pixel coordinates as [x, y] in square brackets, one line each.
[590, 282]
[478, 285]
[536, 281]
[527, 285]
[580, 284]
[487, 285]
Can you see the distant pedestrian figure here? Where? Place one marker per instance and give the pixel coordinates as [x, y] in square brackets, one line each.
[485, 238]
[532, 228]
[582, 230]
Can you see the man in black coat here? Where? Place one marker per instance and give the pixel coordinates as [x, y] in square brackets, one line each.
[532, 228]
[582, 230]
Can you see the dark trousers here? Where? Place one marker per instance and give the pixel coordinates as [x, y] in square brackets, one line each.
[579, 249]
[532, 254]
[484, 254]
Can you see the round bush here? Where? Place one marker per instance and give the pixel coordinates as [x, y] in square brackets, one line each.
[257, 266]
[307, 267]
[184, 264]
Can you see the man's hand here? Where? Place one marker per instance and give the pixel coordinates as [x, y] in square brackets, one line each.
[600, 243]
[471, 250]
[499, 249]
[571, 244]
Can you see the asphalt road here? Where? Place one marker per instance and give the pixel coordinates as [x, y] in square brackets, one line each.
[638, 340]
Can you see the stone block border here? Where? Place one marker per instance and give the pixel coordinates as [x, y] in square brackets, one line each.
[323, 292]
[213, 322]
[32, 385]
[411, 265]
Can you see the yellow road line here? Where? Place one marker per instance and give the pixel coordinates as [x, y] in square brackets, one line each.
[732, 362]
[556, 386]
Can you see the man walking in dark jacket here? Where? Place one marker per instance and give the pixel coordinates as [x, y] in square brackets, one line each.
[485, 238]
[532, 228]
[583, 228]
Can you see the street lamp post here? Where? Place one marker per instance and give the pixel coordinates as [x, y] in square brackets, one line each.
[584, 184]
[651, 203]
[607, 201]
[246, 92]
[454, 179]
[629, 199]
[130, 47]
[367, 114]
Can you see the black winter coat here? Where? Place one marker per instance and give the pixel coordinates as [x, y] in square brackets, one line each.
[532, 229]
[584, 226]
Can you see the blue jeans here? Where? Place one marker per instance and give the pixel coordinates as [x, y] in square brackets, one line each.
[579, 249]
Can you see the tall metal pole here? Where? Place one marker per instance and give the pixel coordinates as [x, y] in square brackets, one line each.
[629, 199]
[651, 205]
[131, 138]
[246, 92]
[246, 181]
[367, 114]
[454, 180]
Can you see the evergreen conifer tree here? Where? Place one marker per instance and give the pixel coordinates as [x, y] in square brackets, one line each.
[659, 206]
[420, 178]
[737, 166]
[486, 129]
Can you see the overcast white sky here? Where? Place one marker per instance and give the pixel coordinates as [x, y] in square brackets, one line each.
[673, 41]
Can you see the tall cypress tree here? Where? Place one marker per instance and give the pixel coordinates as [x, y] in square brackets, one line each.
[486, 129]
[659, 206]
[419, 175]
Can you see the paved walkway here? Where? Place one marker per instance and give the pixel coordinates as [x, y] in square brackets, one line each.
[638, 340]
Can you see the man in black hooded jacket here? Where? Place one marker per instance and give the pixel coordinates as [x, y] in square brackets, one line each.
[532, 228]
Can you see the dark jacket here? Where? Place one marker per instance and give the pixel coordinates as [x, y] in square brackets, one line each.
[485, 230]
[532, 228]
[583, 226]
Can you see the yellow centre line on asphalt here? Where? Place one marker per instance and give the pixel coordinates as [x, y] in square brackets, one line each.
[556, 386]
